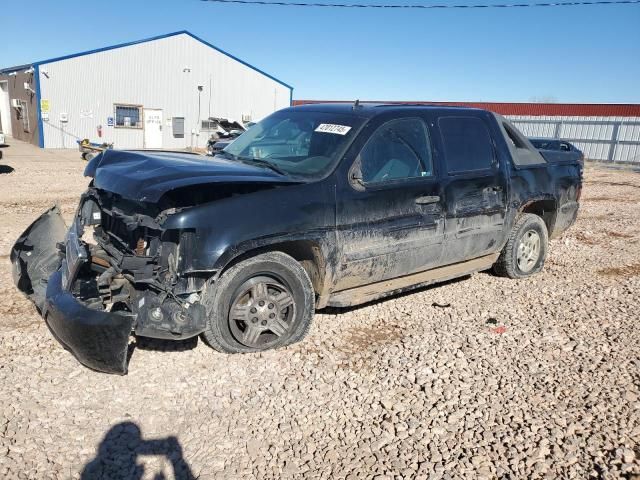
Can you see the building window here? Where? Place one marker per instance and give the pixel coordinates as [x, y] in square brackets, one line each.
[209, 125]
[128, 116]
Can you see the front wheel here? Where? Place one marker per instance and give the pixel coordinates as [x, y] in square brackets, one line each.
[526, 249]
[264, 302]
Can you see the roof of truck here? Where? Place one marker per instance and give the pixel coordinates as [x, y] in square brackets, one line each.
[372, 109]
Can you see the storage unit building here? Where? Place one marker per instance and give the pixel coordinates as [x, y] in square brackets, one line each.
[154, 93]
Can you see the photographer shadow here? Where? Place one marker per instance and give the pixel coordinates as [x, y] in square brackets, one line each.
[118, 454]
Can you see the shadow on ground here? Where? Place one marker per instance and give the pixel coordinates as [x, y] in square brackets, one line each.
[123, 446]
[6, 169]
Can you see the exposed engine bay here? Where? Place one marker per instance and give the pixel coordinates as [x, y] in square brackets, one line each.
[117, 257]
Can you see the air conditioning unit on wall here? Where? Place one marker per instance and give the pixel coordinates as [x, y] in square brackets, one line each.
[15, 103]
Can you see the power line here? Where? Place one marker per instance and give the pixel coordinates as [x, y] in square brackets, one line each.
[427, 7]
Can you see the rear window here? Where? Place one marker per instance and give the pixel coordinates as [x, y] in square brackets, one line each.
[467, 144]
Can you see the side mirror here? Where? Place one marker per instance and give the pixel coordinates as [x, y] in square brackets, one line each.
[355, 177]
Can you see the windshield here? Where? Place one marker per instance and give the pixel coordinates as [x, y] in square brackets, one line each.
[297, 143]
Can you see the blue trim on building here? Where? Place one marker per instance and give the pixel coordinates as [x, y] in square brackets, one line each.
[36, 74]
[291, 98]
[159, 37]
[16, 68]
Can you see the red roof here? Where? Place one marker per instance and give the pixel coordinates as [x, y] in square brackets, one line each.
[534, 109]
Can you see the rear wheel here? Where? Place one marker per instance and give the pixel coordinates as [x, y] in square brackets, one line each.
[261, 303]
[526, 249]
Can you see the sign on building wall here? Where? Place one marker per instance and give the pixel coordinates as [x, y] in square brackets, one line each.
[44, 110]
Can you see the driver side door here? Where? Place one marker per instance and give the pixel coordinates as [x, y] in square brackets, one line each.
[389, 214]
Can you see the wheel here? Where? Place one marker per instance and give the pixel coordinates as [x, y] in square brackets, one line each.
[261, 303]
[526, 249]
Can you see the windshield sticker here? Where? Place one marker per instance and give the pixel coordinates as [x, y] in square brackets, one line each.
[330, 128]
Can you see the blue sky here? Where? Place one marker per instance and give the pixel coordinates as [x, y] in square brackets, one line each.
[569, 54]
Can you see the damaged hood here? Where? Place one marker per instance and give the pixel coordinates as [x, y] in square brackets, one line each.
[147, 176]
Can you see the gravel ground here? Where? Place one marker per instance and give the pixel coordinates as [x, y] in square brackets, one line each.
[513, 379]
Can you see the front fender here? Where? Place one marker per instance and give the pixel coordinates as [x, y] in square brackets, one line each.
[232, 226]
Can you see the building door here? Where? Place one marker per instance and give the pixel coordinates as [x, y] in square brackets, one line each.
[5, 109]
[152, 128]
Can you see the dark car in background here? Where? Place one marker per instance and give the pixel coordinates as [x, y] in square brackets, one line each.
[314, 206]
[224, 132]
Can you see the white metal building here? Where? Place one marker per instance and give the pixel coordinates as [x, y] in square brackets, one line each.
[154, 93]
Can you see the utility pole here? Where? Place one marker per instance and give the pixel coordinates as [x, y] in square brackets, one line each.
[199, 124]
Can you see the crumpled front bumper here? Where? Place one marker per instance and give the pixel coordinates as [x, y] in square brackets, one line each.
[98, 339]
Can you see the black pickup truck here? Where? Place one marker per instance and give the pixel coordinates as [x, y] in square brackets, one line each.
[315, 206]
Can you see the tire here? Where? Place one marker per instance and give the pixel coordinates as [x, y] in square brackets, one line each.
[252, 296]
[519, 258]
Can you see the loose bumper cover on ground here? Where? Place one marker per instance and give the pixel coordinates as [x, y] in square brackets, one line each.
[98, 339]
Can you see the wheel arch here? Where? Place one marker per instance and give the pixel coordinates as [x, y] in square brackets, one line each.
[545, 208]
[309, 253]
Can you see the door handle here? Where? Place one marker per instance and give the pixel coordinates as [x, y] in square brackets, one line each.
[427, 199]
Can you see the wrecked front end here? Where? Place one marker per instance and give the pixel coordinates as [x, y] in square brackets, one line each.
[115, 271]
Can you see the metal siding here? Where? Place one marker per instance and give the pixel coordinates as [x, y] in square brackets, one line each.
[629, 132]
[628, 153]
[151, 74]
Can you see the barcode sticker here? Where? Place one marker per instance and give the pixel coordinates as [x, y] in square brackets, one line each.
[331, 128]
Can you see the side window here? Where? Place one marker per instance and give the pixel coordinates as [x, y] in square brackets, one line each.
[467, 144]
[398, 149]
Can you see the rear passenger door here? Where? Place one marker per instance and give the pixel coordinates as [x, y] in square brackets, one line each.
[389, 208]
[475, 186]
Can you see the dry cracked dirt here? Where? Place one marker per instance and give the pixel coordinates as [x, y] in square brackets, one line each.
[483, 377]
